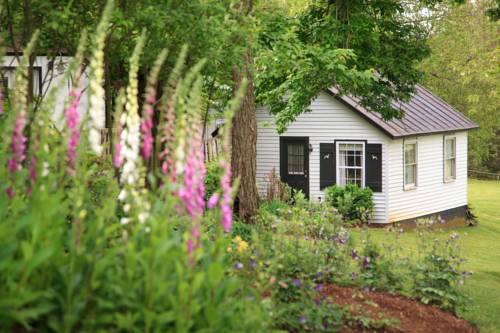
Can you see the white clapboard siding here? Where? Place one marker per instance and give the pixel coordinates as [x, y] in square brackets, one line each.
[432, 194]
[328, 120]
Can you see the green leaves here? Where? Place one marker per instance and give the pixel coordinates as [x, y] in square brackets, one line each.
[322, 48]
[463, 71]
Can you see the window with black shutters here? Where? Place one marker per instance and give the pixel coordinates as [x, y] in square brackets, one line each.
[350, 163]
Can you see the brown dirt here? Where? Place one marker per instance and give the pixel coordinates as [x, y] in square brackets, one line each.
[412, 315]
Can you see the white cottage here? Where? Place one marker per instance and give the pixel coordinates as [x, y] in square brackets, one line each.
[48, 73]
[416, 167]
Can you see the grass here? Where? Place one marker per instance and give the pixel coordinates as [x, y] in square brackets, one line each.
[481, 249]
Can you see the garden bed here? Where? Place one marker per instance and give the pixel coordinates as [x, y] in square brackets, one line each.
[412, 315]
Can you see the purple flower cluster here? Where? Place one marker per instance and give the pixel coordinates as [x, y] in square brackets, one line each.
[146, 127]
[72, 121]
[366, 262]
[354, 255]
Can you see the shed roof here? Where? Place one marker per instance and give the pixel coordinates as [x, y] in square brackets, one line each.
[425, 113]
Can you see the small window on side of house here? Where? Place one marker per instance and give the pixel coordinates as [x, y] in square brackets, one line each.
[410, 165]
[450, 159]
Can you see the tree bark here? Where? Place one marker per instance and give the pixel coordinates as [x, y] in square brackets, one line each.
[244, 142]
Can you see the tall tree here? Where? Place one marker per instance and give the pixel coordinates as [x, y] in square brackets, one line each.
[244, 129]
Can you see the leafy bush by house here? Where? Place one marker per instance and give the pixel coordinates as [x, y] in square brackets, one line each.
[355, 204]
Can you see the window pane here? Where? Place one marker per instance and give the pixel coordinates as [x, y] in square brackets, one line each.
[350, 160]
[410, 174]
[450, 168]
[410, 153]
[449, 148]
[357, 161]
[295, 159]
[447, 169]
[342, 178]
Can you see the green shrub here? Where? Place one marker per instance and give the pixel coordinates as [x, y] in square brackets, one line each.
[353, 203]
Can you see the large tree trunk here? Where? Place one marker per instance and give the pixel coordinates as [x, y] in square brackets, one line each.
[244, 137]
[244, 144]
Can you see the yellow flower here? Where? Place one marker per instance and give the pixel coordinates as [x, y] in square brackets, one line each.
[237, 239]
[242, 246]
[229, 249]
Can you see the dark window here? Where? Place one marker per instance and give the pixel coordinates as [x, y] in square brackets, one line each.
[295, 159]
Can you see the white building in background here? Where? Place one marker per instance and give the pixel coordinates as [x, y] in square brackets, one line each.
[416, 166]
[48, 74]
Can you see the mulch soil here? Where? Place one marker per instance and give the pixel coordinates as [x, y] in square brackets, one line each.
[409, 315]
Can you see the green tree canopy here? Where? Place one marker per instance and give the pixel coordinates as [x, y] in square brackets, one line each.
[463, 70]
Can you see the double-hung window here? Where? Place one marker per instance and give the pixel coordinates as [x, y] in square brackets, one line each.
[350, 163]
[410, 164]
[450, 160]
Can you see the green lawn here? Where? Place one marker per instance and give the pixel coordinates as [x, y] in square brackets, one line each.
[481, 249]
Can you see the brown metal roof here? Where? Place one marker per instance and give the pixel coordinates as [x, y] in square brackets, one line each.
[425, 113]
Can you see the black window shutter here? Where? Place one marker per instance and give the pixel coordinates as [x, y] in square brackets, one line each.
[373, 167]
[326, 165]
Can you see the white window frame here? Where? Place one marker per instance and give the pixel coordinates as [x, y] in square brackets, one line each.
[337, 159]
[410, 186]
[454, 177]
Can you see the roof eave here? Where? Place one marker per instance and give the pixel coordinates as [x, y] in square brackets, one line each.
[371, 121]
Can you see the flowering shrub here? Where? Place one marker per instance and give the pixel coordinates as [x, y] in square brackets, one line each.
[83, 250]
[378, 267]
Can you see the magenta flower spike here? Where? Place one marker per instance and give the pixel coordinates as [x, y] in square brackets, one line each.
[18, 144]
[212, 202]
[192, 192]
[72, 121]
[117, 161]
